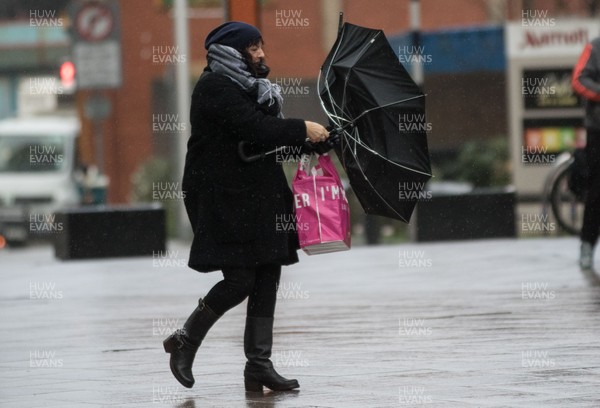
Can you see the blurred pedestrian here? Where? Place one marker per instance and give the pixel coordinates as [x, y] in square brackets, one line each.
[234, 206]
[586, 82]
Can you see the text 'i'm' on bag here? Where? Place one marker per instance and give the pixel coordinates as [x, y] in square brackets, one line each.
[322, 211]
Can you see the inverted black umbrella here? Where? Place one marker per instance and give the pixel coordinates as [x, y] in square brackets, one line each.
[379, 111]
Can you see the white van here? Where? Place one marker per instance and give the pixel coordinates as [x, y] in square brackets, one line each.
[37, 163]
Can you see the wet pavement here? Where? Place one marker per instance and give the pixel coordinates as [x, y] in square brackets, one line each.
[499, 323]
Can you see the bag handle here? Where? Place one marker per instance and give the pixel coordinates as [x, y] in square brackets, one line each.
[304, 166]
[305, 169]
[328, 167]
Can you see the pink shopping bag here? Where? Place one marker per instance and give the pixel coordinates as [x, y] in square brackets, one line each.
[322, 211]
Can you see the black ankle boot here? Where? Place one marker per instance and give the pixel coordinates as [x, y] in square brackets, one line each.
[183, 343]
[259, 371]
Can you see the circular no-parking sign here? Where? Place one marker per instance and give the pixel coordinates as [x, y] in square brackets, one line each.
[94, 21]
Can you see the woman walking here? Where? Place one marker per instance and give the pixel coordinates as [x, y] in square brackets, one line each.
[234, 206]
[586, 82]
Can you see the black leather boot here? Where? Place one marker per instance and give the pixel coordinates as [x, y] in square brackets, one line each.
[259, 371]
[183, 343]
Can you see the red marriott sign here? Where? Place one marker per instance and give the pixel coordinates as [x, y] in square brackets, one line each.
[564, 38]
[537, 39]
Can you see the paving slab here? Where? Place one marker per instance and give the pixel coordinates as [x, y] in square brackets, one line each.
[491, 323]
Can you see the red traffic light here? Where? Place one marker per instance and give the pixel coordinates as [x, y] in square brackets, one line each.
[67, 72]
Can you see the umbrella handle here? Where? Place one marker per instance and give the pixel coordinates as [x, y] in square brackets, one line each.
[337, 130]
[334, 131]
[334, 136]
[251, 158]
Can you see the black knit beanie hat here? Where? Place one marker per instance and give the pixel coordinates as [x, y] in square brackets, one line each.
[234, 34]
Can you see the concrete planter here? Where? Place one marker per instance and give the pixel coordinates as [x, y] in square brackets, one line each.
[481, 213]
[110, 231]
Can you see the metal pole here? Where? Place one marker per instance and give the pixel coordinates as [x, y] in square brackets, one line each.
[182, 90]
[99, 144]
[415, 27]
[226, 9]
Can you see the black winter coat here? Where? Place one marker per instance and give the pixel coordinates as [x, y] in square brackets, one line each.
[235, 207]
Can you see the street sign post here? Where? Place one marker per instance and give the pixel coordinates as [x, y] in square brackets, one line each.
[96, 43]
[97, 57]
[97, 108]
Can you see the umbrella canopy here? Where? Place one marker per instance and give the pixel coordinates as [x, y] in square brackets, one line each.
[379, 112]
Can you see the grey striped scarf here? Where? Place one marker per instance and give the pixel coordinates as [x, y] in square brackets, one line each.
[229, 61]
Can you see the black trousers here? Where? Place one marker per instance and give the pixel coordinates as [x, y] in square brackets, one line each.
[591, 214]
[258, 284]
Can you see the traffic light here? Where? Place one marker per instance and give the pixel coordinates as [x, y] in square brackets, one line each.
[67, 76]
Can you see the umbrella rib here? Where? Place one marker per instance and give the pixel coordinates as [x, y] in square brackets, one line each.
[386, 105]
[356, 58]
[331, 116]
[383, 157]
[333, 104]
[368, 45]
[374, 151]
[375, 190]
[332, 101]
